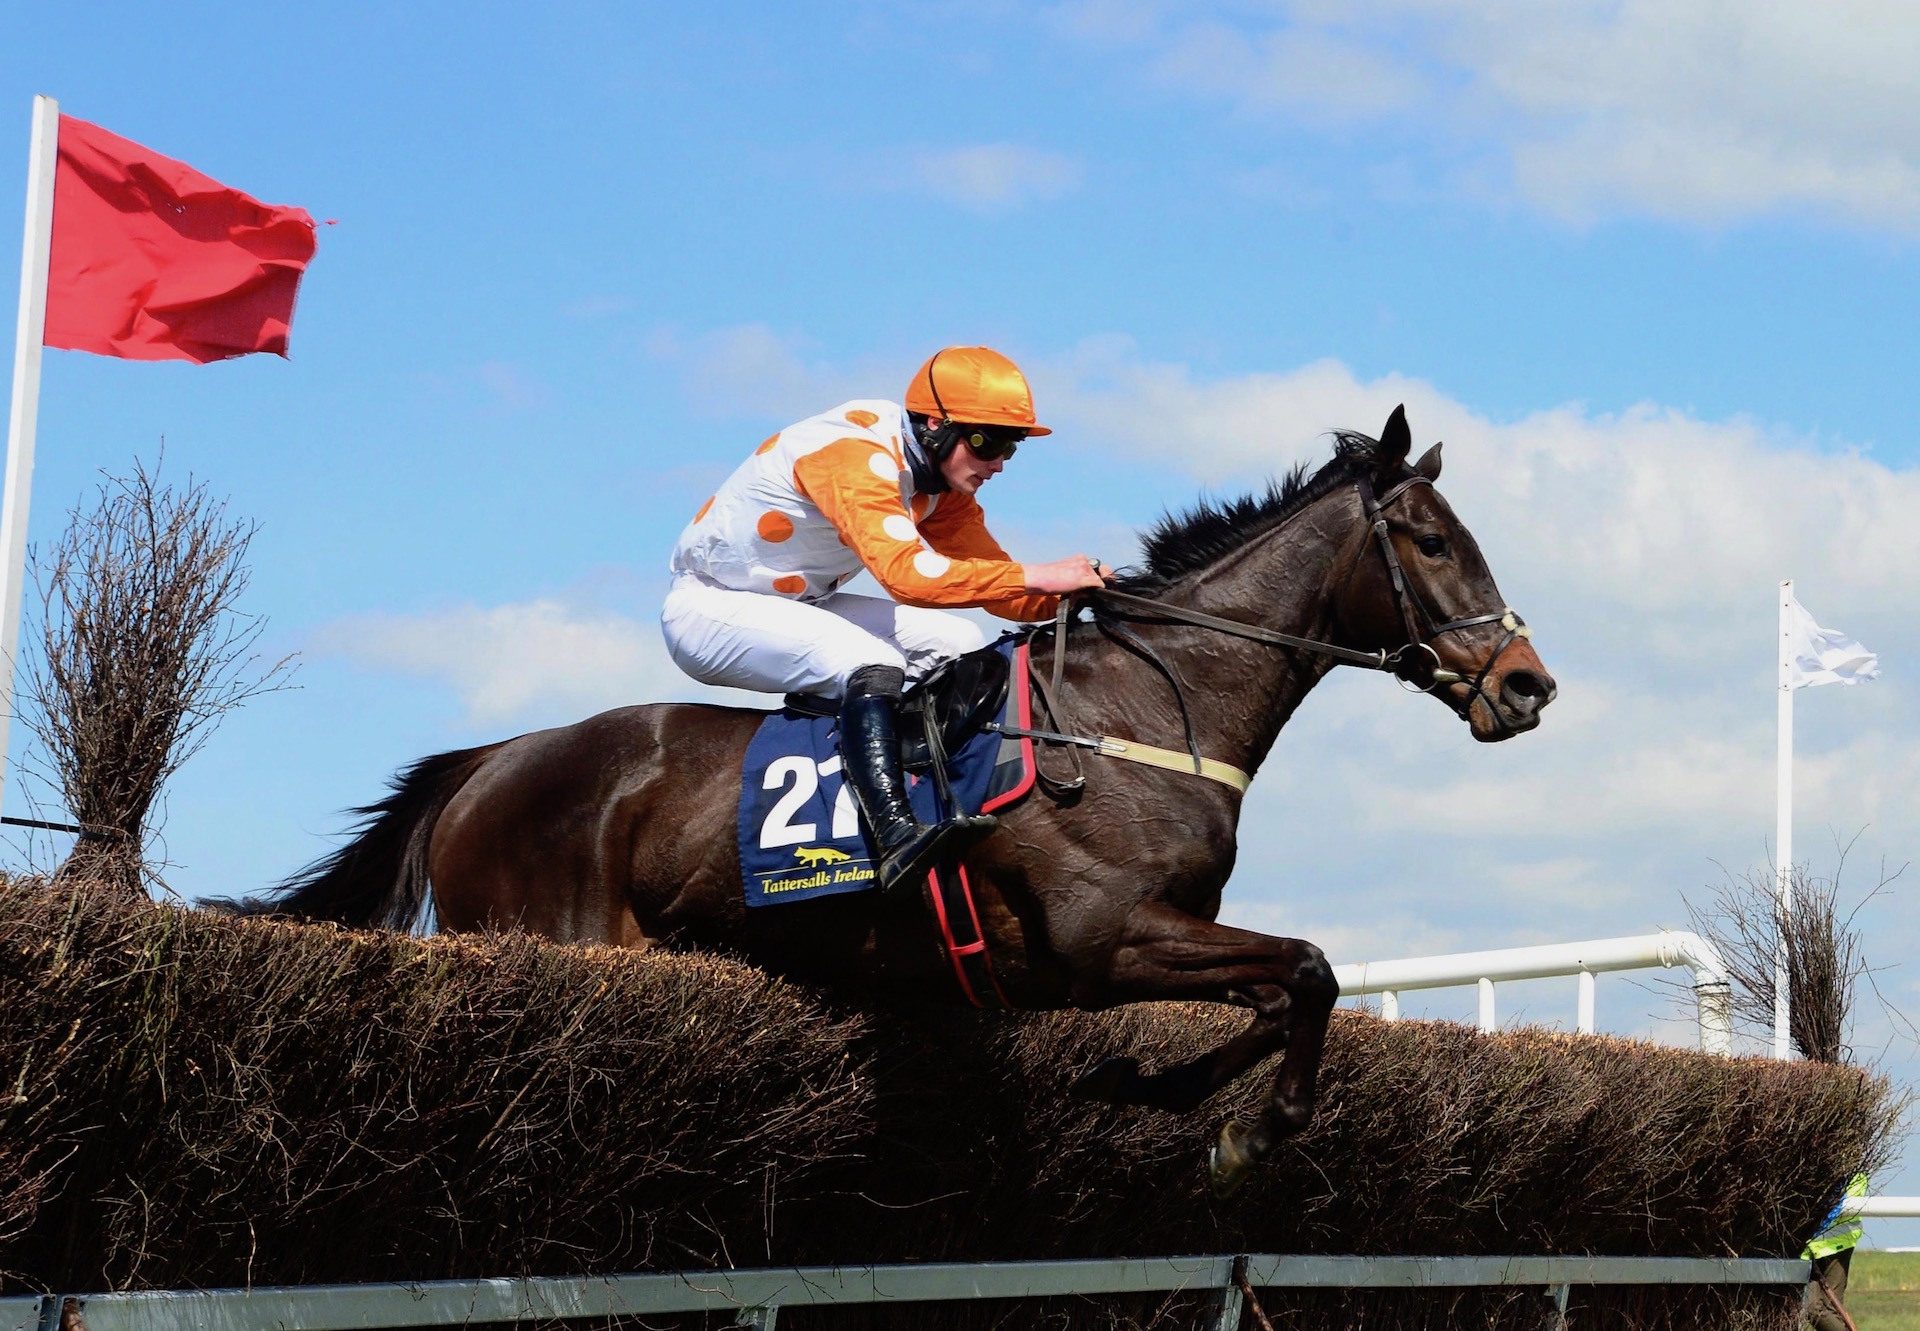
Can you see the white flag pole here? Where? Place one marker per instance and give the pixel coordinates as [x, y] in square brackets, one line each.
[29, 334]
[1783, 815]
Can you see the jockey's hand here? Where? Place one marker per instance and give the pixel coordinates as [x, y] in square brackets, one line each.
[1072, 574]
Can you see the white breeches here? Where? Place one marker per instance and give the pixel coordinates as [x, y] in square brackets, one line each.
[754, 640]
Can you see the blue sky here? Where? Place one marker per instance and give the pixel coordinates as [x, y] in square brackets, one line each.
[1649, 269]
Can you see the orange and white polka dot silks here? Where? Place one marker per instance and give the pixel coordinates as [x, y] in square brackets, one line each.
[831, 494]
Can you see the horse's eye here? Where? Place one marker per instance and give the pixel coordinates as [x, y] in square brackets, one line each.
[1432, 545]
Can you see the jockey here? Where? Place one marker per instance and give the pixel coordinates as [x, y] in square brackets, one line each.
[756, 600]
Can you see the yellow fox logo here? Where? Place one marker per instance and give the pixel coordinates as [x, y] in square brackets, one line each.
[815, 856]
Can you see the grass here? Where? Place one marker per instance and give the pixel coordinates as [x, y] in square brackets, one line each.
[1883, 1291]
[1884, 1272]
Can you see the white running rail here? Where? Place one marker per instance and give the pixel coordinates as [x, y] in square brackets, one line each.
[1712, 991]
[1884, 1206]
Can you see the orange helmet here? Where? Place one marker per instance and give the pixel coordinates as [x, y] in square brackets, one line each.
[975, 385]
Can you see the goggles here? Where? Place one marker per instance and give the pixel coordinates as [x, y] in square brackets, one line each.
[990, 443]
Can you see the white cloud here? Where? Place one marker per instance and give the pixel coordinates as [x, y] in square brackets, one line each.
[1115, 22]
[1220, 429]
[1380, 937]
[749, 367]
[1701, 110]
[1706, 109]
[1650, 507]
[1317, 74]
[531, 663]
[996, 177]
[756, 370]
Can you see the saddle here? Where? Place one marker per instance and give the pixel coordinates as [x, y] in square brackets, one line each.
[960, 697]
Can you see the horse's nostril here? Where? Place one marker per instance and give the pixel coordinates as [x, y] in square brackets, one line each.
[1525, 691]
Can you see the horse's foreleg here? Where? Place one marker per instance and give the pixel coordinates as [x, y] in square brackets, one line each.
[1166, 954]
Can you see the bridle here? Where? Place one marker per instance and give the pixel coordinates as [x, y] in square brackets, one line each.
[1422, 630]
[1409, 602]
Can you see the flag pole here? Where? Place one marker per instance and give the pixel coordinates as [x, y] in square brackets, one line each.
[36, 246]
[1783, 821]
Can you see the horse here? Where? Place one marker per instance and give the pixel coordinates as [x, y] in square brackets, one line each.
[1100, 890]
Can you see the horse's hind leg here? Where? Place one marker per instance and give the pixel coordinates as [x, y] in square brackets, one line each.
[1166, 954]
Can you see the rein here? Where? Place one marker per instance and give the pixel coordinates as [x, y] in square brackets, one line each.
[1147, 607]
[1412, 612]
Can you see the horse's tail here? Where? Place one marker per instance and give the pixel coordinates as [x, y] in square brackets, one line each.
[378, 879]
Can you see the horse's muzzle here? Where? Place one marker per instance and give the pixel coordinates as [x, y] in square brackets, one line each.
[1514, 702]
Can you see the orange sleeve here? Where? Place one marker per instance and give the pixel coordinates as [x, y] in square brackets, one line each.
[864, 506]
[958, 527]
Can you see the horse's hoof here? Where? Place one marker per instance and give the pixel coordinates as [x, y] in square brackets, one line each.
[1107, 1080]
[1230, 1159]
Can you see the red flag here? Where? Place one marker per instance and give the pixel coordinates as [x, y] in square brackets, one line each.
[153, 261]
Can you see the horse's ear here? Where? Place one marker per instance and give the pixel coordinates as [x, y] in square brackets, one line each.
[1429, 464]
[1396, 441]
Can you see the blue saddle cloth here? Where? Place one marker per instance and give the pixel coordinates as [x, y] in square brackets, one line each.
[800, 833]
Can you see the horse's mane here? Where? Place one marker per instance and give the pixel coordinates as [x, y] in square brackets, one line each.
[1183, 543]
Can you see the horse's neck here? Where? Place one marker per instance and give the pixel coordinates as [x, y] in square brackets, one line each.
[1242, 692]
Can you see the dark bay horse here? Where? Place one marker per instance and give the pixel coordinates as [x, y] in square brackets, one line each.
[620, 829]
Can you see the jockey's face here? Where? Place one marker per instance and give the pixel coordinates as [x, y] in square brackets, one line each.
[965, 472]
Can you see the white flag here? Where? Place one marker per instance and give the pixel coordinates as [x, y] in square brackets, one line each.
[1824, 656]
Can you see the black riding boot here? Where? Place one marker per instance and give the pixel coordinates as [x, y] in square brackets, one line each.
[870, 755]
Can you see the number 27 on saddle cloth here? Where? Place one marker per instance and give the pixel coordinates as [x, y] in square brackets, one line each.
[800, 835]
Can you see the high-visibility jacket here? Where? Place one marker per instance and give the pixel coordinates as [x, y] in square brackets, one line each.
[832, 494]
[1841, 1230]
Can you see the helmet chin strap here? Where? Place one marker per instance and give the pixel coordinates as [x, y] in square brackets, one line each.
[925, 456]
